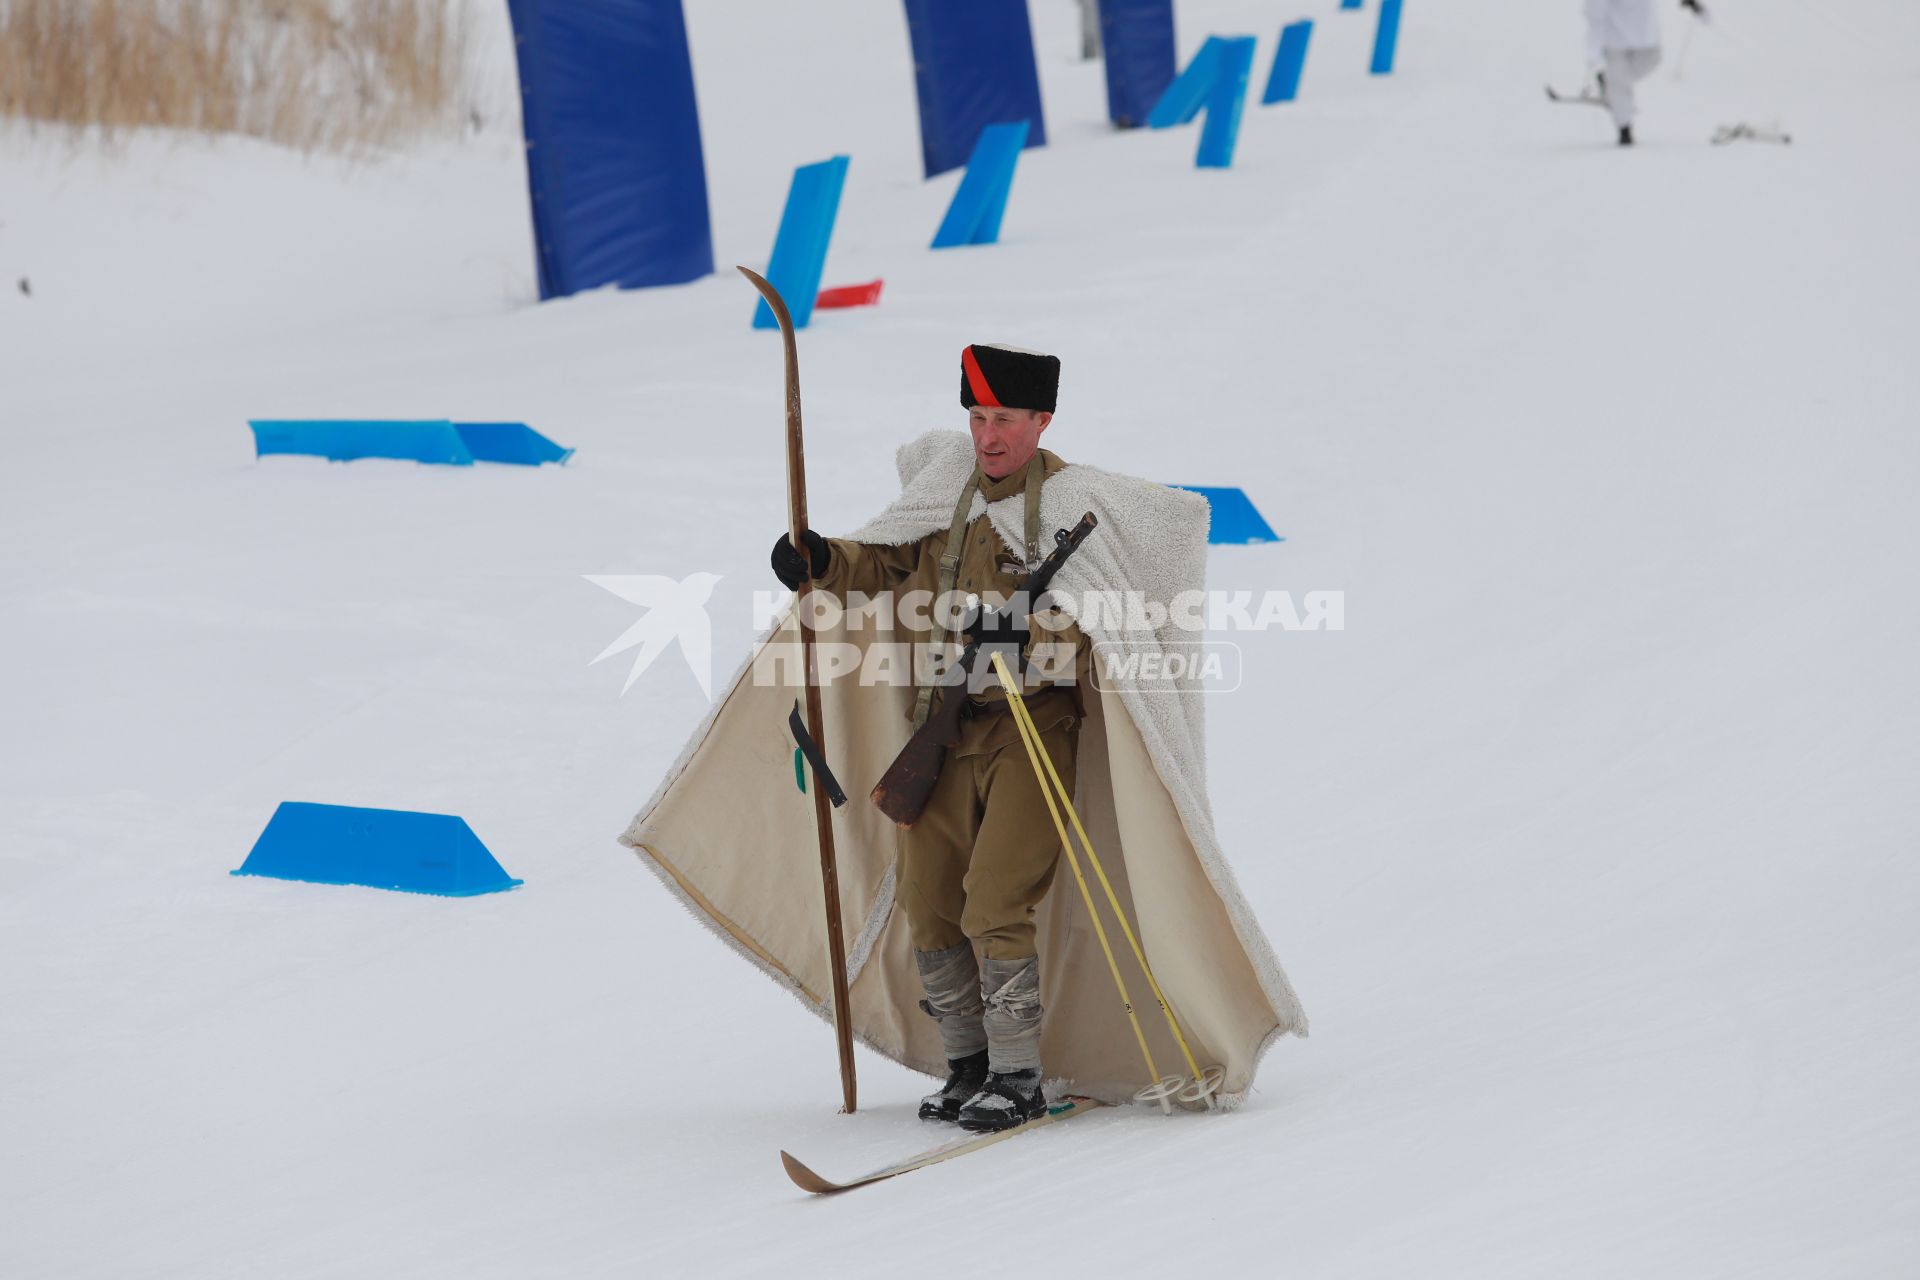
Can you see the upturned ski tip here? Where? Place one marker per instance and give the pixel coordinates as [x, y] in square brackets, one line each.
[805, 1178]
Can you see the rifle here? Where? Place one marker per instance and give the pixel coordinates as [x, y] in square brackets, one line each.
[904, 789]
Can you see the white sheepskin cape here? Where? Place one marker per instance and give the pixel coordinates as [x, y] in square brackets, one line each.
[730, 833]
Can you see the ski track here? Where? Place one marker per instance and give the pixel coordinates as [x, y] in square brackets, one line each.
[1585, 842]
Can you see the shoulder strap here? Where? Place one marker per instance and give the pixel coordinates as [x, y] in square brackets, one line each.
[1036, 476]
[949, 574]
[956, 542]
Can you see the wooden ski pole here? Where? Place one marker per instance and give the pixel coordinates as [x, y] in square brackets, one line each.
[1023, 718]
[822, 808]
[1030, 739]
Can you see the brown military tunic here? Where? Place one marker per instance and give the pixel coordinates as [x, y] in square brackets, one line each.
[983, 853]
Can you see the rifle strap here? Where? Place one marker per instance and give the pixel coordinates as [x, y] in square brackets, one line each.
[956, 544]
[949, 574]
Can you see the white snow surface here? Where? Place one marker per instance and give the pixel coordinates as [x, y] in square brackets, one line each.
[1589, 842]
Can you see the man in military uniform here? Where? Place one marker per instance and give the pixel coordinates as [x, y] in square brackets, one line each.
[972, 869]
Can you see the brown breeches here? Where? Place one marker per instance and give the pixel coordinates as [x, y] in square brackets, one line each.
[982, 855]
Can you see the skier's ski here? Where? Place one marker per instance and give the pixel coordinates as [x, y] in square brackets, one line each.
[1585, 97]
[807, 1180]
[1750, 133]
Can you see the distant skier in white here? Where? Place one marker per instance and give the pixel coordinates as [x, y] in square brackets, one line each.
[1623, 47]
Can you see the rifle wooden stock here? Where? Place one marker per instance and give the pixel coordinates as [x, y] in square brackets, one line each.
[903, 790]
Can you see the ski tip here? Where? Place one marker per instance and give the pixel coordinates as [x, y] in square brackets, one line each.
[805, 1178]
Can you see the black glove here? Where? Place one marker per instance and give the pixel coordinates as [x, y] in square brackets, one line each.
[1695, 5]
[790, 568]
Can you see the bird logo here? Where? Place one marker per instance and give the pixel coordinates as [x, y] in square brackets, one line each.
[676, 610]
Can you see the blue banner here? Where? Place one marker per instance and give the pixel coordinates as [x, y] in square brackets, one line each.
[614, 165]
[1137, 42]
[972, 66]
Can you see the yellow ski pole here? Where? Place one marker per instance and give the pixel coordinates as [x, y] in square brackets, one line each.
[1030, 739]
[1018, 706]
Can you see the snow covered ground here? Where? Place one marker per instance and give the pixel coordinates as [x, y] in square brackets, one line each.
[1590, 842]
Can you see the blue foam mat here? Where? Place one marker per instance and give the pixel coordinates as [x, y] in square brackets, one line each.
[1235, 519]
[979, 202]
[511, 442]
[800, 246]
[434, 440]
[1386, 38]
[435, 853]
[1283, 85]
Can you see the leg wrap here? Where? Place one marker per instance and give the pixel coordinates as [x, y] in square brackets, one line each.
[951, 980]
[1012, 989]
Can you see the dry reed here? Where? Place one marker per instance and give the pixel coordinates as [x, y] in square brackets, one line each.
[336, 75]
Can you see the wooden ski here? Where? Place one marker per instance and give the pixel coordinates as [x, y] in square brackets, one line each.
[822, 811]
[807, 1180]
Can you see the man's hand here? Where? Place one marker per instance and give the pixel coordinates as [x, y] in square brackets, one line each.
[983, 622]
[996, 629]
[1699, 10]
[791, 569]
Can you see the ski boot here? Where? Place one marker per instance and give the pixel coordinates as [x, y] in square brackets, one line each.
[964, 1078]
[1626, 135]
[951, 979]
[1011, 1094]
[1008, 1098]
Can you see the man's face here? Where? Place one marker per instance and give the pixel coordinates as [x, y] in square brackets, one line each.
[1005, 439]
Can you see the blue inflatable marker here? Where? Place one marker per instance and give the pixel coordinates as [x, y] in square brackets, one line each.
[435, 440]
[1351, 4]
[1386, 37]
[800, 248]
[972, 66]
[378, 848]
[1222, 129]
[615, 170]
[1235, 521]
[1283, 83]
[974, 215]
[1137, 45]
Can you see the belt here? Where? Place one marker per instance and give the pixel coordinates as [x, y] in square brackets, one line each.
[976, 707]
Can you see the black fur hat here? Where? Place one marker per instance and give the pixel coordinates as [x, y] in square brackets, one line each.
[994, 375]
